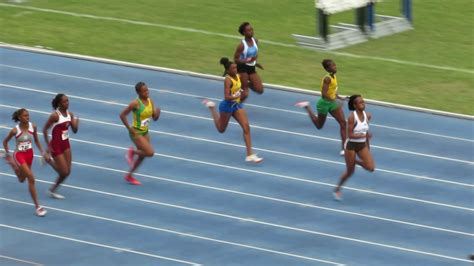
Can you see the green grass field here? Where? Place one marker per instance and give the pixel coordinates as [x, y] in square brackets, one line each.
[443, 37]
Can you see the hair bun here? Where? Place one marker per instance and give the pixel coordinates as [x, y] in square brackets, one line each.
[224, 61]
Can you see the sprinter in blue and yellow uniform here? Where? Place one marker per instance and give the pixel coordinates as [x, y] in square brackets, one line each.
[142, 109]
[232, 106]
[327, 103]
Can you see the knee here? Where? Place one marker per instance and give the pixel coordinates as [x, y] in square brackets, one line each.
[259, 89]
[371, 167]
[150, 153]
[342, 124]
[221, 130]
[65, 173]
[350, 171]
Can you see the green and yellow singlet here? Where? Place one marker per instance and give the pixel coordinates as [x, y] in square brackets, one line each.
[332, 88]
[141, 116]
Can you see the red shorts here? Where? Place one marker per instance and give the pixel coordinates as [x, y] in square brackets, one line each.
[22, 157]
[58, 147]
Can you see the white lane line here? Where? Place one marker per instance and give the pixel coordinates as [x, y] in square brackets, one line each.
[275, 175]
[255, 221]
[19, 260]
[235, 123]
[216, 99]
[255, 148]
[165, 26]
[179, 233]
[280, 200]
[96, 244]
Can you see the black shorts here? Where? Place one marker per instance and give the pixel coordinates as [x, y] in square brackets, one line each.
[244, 68]
[355, 146]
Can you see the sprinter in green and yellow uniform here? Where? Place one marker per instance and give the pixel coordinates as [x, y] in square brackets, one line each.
[328, 102]
[142, 110]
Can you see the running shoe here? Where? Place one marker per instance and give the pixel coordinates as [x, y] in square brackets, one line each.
[55, 195]
[208, 103]
[253, 158]
[41, 212]
[129, 156]
[302, 104]
[130, 179]
[337, 195]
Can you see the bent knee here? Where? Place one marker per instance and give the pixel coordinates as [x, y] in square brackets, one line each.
[221, 130]
[370, 167]
[150, 153]
[65, 173]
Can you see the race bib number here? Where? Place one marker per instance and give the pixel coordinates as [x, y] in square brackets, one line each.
[65, 135]
[23, 146]
[145, 122]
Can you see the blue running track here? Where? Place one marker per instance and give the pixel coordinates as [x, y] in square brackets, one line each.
[200, 203]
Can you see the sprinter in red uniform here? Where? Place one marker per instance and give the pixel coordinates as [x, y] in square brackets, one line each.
[22, 159]
[59, 148]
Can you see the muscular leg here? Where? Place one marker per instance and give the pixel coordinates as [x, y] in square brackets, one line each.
[241, 117]
[350, 157]
[220, 120]
[144, 149]
[319, 120]
[256, 83]
[338, 114]
[28, 174]
[62, 165]
[367, 162]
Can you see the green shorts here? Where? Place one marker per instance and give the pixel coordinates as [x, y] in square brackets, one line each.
[326, 106]
[139, 133]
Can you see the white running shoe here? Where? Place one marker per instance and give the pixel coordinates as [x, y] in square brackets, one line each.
[208, 103]
[41, 212]
[253, 158]
[55, 195]
[302, 104]
[341, 153]
[337, 196]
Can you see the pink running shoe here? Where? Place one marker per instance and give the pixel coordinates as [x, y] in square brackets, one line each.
[130, 179]
[303, 104]
[129, 156]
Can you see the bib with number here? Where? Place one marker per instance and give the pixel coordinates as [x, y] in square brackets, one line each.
[145, 122]
[65, 135]
[23, 146]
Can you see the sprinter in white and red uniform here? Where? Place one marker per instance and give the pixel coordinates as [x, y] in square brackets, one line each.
[22, 159]
[59, 148]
